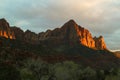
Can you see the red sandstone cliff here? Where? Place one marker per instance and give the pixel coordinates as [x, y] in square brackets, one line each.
[5, 29]
[69, 34]
[100, 43]
[72, 34]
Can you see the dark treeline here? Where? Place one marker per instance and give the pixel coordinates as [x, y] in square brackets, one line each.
[39, 70]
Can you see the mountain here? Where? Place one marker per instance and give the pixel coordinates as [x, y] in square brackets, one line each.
[5, 30]
[69, 34]
[72, 34]
[70, 42]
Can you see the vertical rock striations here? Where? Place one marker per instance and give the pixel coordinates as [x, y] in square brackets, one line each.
[5, 30]
[78, 34]
[72, 34]
[99, 43]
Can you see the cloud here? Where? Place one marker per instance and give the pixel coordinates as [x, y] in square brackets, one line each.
[113, 40]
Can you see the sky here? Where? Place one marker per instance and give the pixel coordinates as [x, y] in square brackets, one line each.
[100, 17]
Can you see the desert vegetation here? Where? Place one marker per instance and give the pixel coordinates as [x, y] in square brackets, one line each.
[36, 69]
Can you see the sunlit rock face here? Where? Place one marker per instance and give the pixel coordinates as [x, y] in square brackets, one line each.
[86, 38]
[79, 34]
[100, 44]
[5, 30]
[72, 34]
[76, 33]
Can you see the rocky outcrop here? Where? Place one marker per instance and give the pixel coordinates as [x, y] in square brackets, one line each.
[78, 34]
[5, 30]
[30, 36]
[27, 36]
[19, 33]
[99, 43]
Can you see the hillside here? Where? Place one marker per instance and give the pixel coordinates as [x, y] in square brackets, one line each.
[70, 42]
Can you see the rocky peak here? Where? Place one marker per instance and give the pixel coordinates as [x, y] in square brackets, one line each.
[30, 36]
[71, 33]
[78, 34]
[28, 31]
[100, 43]
[19, 33]
[71, 24]
[3, 20]
[5, 30]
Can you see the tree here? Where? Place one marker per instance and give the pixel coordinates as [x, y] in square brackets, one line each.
[87, 74]
[26, 74]
[9, 72]
[39, 69]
